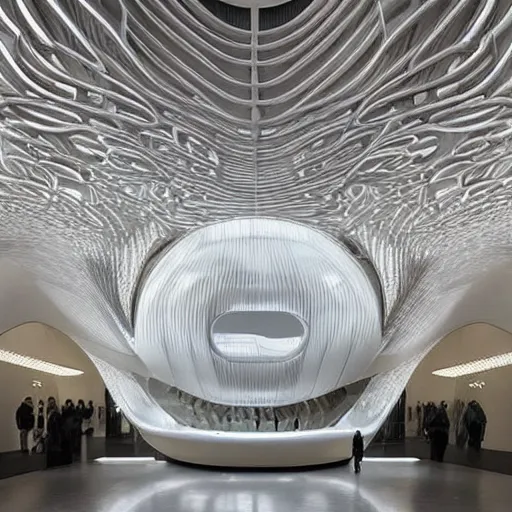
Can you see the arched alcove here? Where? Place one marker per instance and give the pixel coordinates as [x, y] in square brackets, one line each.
[44, 343]
[470, 343]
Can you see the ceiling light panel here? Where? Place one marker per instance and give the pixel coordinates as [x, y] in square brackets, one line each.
[37, 364]
[478, 366]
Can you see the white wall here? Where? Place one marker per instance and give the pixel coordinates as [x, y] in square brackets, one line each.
[42, 342]
[468, 344]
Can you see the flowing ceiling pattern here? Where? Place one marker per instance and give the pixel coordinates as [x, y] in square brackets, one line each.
[383, 127]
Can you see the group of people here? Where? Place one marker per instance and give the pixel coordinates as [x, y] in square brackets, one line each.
[56, 432]
[470, 427]
[434, 423]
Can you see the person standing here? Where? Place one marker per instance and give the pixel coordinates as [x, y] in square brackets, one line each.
[357, 451]
[87, 418]
[54, 435]
[51, 405]
[419, 419]
[476, 422]
[438, 433]
[25, 422]
[69, 424]
[79, 429]
[80, 413]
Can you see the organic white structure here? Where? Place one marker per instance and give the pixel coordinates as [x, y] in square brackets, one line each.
[256, 217]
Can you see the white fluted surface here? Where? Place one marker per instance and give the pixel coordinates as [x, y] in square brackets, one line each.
[257, 265]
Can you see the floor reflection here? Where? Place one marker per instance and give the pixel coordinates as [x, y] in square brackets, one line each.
[159, 487]
[247, 492]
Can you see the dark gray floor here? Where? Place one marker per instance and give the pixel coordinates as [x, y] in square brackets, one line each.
[12, 464]
[489, 460]
[15, 463]
[154, 487]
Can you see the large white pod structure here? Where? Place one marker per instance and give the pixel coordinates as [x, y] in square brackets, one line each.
[264, 268]
[256, 217]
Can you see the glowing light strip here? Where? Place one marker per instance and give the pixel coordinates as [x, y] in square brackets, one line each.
[478, 366]
[391, 459]
[127, 460]
[131, 460]
[37, 364]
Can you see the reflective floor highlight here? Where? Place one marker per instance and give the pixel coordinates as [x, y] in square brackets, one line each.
[155, 487]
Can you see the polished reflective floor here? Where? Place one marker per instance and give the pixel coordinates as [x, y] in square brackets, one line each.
[154, 487]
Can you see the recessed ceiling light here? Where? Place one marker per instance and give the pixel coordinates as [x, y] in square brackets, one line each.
[478, 366]
[37, 364]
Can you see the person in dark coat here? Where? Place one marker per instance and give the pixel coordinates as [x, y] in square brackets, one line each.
[80, 413]
[68, 409]
[475, 422]
[52, 403]
[40, 415]
[80, 407]
[430, 411]
[87, 419]
[25, 422]
[54, 436]
[357, 451]
[438, 432]
[71, 431]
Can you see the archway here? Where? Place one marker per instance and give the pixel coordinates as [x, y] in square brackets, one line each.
[474, 363]
[34, 358]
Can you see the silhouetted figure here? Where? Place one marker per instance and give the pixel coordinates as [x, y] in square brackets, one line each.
[79, 421]
[438, 432]
[54, 436]
[69, 426]
[429, 411]
[51, 405]
[419, 416]
[87, 419]
[475, 422]
[25, 422]
[80, 408]
[40, 415]
[357, 451]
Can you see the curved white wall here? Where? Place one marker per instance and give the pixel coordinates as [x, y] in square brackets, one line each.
[43, 342]
[468, 344]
